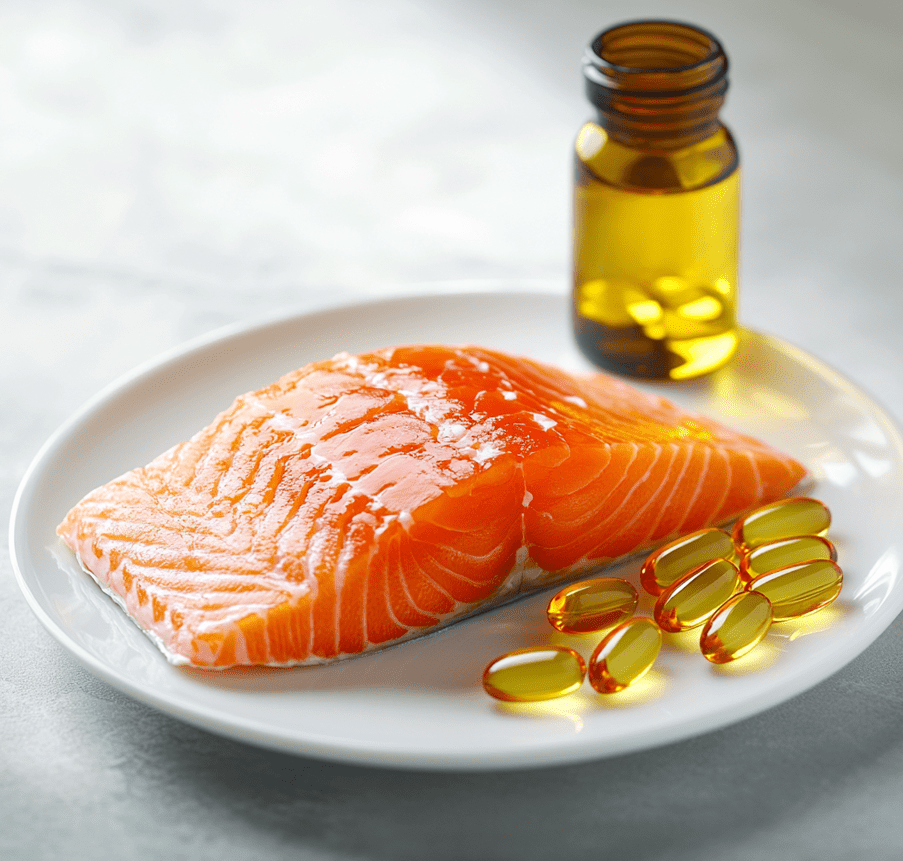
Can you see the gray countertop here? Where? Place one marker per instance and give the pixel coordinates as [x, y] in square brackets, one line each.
[170, 167]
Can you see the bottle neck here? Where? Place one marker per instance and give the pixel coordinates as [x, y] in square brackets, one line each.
[656, 84]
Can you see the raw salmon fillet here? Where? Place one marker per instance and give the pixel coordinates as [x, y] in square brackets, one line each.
[368, 499]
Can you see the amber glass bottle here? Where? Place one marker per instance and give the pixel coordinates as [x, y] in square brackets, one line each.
[656, 205]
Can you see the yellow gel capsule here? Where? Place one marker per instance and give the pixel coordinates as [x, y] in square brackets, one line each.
[537, 673]
[625, 655]
[786, 518]
[592, 605]
[670, 562]
[786, 551]
[737, 627]
[696, 596]
[798, 590]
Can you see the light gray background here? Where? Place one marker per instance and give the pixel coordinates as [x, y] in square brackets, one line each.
[167, 167]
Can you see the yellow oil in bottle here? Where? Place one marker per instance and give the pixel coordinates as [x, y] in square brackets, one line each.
[656, 272]
[656, 206]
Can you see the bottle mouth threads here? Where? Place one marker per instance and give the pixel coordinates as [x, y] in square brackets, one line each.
[654, 55]
[656, 79]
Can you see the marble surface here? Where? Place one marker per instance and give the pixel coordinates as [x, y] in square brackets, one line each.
[169, 167]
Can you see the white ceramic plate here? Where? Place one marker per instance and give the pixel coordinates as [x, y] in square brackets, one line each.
[421, 704]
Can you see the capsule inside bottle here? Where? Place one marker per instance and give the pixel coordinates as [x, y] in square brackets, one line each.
[672, 561]
[538, 673]
[592, 605]
[798, 590]
[625, 655]
[688, 602]
[786, 551]
[737, 627]
[786, 518]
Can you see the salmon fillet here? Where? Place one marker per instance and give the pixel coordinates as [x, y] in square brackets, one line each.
[364, 500]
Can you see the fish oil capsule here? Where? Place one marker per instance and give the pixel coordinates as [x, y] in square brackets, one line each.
[785, 518]
[537, 673]
[688, 602]
[592, 605]
[737, 627]
[798, 590]
[672, 561]
[786, 551]
[625, 655]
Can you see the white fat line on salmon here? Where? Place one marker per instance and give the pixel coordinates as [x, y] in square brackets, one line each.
[285, 421]
[620, 526]
[425, 387]
[451, 431]
[486, 451]
[760, 485]
[637, 484]
[390, 609]
[403, 518]
[615, 487]
[680, 451]
[474, 449]
[513, 584]
[545, 422]
[480, 364]
[702, 475]
[241, 648]
[724, 485]
[331, 475]
[335, 477]
[459, 609]
[281, 421]
[423, 403]
[577, 401]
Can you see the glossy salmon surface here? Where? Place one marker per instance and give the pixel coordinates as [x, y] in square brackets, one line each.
[365, 500]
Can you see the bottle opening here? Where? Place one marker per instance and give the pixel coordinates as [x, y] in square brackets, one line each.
[655, 46]
[655, 56]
